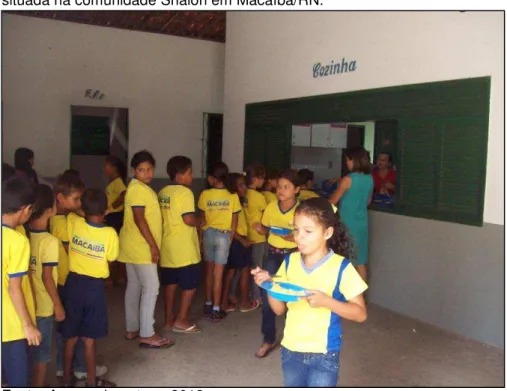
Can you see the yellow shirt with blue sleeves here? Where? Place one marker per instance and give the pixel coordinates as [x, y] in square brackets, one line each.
[43, 253]
[218, 206]
[58, 228]
[15, 263]
[269, 196]
[180, 243]
[274, 217]
[113, 190]
[133, 246]
[318, 330]
[255, 206]
[91, 247]
[307, 194]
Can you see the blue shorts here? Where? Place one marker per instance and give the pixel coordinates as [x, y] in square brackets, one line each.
[85, 307]
[187, 277]
[239, 256]
[42, 353]
[15, 364]
[216, 245]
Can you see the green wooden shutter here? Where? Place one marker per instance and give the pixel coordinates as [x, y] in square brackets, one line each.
[386, 138]
[278, 147]
[255, 145]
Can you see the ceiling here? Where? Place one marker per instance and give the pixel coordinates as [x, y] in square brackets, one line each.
[205, 25]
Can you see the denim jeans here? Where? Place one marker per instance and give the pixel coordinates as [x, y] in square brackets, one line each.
[268, 327]
[310, 369]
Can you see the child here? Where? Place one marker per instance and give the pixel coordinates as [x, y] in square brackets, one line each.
[71, 171]
[270, 186]
[255, 206]
[312, 335]
[277, 214]
[180, 258]
[240, 255]
[18, 308]
[43, 264]
[354, 194]
[140, 240]
[220, 210]
[116, 172]
[306, 177]
[92, 244]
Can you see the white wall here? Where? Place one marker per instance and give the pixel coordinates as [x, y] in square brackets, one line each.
[270, 55]
[165, 82]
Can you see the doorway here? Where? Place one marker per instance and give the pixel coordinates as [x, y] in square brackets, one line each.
[212, 138]
[97, 132]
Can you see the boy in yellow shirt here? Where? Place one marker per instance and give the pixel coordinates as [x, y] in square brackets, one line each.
[220, 209]
[306, 179]
[43, 264]
[18, 309]
[269, 192]
[92, 245]
[180, 258]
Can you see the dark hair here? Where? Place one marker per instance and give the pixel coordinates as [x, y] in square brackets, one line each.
[22, 158]
[219, 171]
[231, 183]
[178, 165]
[292, 176]
[322, 211]
[360, 159]
[305, 175]
[389, 157]
[94, 202]
[254, 171]
[44, 200]
[142, 157]
[116, 162]
[7, 171]
[272, 174]
[67, 184]
[17, 192]
[71, 171]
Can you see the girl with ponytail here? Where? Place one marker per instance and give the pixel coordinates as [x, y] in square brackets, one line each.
[312, 337]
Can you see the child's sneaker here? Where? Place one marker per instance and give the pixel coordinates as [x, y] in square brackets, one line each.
[217, 316]
[208, 309]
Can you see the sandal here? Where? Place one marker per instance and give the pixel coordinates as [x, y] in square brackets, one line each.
[230, 308]
[102, 383]
[159, 344]
[264, 350]
[254, 304]
[131, 335]
[194, 329]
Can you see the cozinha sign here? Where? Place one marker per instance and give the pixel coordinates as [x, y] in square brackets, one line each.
[323, 70]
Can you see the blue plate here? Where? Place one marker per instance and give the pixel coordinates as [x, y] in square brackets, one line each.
[280, 231]
[268, 285]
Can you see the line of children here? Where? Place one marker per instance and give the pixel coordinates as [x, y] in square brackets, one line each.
[312, 336]
[270, 186]
[306, 179]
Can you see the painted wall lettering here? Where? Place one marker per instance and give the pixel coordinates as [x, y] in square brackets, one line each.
[323, 70]
[94, 94]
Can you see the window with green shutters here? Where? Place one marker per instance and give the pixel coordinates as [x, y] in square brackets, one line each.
[436, 132]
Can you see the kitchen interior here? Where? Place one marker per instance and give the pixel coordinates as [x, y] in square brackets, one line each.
[319, 147]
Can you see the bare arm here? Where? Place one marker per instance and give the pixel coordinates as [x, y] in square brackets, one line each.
[345, 184]
[119, 201]
[261, 229]
[370, 198]
[144, 228]
[30, 278]
[278, 307]
[234, 223]
[18, 300]
[192, 220]
[49, 284]
[354, 309]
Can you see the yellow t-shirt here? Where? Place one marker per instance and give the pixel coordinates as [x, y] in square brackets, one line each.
[256, 204]
[44, 253]
[318, 330]
[218, 206]
[307, 194]
[242, 228]
[15, 263]
[133, 246]
[21, 230]
[180, 243]
[113, 191]
[91, 247]
[274, 217]
[58, 228]
[269, 196]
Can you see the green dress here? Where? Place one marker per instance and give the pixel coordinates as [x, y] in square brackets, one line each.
[354, 214]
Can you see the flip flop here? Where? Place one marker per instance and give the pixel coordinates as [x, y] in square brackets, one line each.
[144, 345]
[191, 330]
[136, 335]
[254, 305]
[265, 351]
